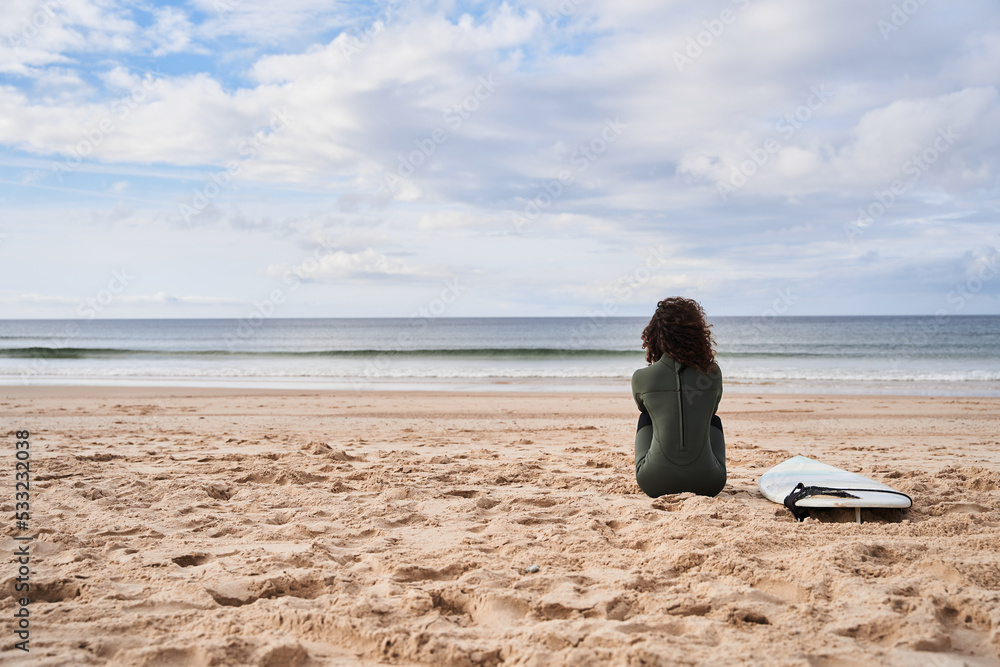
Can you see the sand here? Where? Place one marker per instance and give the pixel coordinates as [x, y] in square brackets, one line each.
[239, 527]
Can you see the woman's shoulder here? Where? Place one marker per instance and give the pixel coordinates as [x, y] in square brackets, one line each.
[646, 378]
[713, 372]
[642, 376]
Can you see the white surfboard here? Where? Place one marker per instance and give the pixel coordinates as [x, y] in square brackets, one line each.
[777, 483]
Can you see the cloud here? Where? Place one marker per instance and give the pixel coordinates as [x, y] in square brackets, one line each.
[171, 33]
[339, 265]
[261, 22]
[357, 114]
[886, 137]
[426, 127]
[41, 32]
[158, 299]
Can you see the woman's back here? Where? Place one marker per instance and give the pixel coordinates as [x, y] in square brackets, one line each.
[681, 402]
[679, 445]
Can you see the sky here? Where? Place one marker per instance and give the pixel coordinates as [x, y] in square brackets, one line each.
[311, 158]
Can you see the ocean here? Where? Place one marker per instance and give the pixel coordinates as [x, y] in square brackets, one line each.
[951, 356]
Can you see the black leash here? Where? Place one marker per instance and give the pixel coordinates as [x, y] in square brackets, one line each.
[802, 491]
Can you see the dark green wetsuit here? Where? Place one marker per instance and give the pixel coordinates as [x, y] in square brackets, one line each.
[679, 445]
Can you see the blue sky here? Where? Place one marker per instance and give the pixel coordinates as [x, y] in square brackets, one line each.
[216, 158]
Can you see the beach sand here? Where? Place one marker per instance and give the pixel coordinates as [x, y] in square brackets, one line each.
[251, 527]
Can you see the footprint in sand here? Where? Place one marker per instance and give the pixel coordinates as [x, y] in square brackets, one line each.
[56, 590]
[192, 560]
[785, 590]
[964, 508]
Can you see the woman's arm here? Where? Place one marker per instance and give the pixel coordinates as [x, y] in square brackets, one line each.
[643, 439]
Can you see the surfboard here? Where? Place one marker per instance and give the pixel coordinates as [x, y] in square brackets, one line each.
[820, 485]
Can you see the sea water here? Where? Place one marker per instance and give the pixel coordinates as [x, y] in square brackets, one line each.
[954, 355]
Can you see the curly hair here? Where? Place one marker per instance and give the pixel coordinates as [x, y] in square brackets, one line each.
[679, 330]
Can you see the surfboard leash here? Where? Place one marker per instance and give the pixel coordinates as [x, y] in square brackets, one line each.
[802, 491]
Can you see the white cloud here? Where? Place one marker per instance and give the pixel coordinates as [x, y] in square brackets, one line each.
[876, 150]
[171, 33]
[161, 298]
[39, 32]
[886, 137]
[338, 265]
[466, 218]
[355, 114]
[357, 110]
[793, 161]
[158, 299]
[267, 22]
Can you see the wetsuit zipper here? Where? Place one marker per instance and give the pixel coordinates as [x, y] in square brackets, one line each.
[680, 407]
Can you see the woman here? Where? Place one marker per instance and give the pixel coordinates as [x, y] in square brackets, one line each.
[679, 444]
